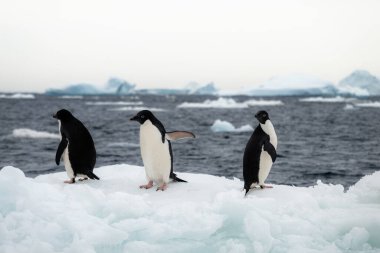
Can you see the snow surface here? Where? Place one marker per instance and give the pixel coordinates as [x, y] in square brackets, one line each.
[18, 96]
[208, 214]
[30, 133]
[225, 126]
[229, 103]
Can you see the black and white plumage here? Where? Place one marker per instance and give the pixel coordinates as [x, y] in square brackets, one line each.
[156, 149]
[76, 147]
[260, 153]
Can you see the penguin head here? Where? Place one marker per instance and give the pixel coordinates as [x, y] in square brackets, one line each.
[142, 116]
[262, 116]
[63, 115]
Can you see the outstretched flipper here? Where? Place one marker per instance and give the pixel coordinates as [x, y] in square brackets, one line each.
[177, 135]
[61, 147]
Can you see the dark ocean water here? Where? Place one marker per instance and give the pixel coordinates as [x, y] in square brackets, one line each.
[319, 140]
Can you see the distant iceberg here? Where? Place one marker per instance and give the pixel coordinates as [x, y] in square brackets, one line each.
[115, 86]
[207, 214]
[17, 96]
[194, 88]
[225, 126]
[230, 103]
[294, 84]
[360, 83]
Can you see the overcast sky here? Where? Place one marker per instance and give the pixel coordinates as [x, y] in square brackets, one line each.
[168, 43]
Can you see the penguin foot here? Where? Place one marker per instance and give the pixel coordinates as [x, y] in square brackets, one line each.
[147, 186]
[265, 186]
[70, 181]
[162, 187]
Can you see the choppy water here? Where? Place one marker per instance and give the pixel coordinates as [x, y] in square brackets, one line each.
[334, 142]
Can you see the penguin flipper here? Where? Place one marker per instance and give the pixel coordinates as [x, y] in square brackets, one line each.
[176, 135]
[268, 147]
[61, 147]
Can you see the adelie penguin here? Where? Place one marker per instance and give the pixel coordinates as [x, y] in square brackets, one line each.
[76, 147]
[156, 150]
[260, 153]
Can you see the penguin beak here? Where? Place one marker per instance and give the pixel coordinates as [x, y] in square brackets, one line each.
[133, 118]
[55, 116]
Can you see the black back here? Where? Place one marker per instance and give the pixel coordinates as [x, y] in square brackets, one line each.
[82, 153]
[251, 159]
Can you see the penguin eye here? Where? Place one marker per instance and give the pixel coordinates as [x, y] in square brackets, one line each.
[142, 116]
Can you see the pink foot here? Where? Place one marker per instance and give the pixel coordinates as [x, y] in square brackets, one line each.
[147, 186]
[70, 181]
[162, 187]
[265, 186]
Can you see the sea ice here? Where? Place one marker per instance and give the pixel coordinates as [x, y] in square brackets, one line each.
[30, 133]
[225, 126]
[337, 99]
[207, 214]
[225, 103]
[375, 104]
[18, 96]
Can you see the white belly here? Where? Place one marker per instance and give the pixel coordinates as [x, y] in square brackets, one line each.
[265, 166]
[154, 153]
[66, 161]
[265, 159]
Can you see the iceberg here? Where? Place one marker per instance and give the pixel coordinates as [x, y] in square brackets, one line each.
[294, 84]
[225, 126]
[114, 86]
[208, 214]
[194, 88]
[360, 83]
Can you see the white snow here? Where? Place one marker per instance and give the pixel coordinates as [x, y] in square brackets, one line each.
[18, 96]
[337, 99]
[30, 133]
[208, 214]
[225, 126]
[114, 103]
[230, 103]
[375, 104]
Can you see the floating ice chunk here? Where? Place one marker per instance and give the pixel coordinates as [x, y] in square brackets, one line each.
[114, 103]
[225, 126]
[337, 99]
[30, 133]
[18, 96]
[229, 103]
[219, 103]
[262, 102]
[369, 104]
[137, 108]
